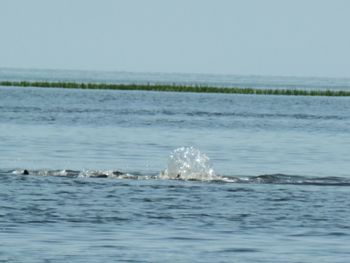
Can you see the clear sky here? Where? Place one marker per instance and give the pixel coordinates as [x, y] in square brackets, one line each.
[261, 37]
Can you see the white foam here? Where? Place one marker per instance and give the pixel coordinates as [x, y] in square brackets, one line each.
[188, 163]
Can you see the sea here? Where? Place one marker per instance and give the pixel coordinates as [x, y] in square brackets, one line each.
[143, 176]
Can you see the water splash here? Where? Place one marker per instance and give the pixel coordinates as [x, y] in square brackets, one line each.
[188, 163]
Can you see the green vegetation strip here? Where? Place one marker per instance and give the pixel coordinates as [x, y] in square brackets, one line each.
[176, 88]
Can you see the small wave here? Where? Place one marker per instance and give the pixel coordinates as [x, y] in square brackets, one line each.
[189, 164]
[44, 172]
[260, 179]
[301, 116]
[289, 179]
[82, 174]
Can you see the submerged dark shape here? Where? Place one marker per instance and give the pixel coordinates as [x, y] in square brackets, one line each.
[101, 175]
[260, 179]
[295, 180]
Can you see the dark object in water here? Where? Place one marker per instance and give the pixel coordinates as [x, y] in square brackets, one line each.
[101, 176]
[25, 172]
[117, 173]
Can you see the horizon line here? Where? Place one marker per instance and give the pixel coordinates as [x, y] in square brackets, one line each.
[172, 73]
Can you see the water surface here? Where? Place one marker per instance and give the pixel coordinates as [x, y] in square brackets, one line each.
[95, 189]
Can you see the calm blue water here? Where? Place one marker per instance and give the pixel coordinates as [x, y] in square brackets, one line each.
[98, 187]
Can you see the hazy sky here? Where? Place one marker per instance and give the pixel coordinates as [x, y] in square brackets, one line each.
[263, 37]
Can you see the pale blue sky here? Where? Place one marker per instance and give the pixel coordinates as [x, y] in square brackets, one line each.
[261, 37]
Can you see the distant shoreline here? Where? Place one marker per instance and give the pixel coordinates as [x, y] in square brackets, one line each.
[176, 88]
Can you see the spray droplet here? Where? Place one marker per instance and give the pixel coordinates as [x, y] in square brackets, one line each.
[188, 163]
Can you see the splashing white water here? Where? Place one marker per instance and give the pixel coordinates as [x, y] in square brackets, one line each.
[188, 163]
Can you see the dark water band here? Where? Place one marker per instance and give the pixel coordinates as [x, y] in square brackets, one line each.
[278, 179]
